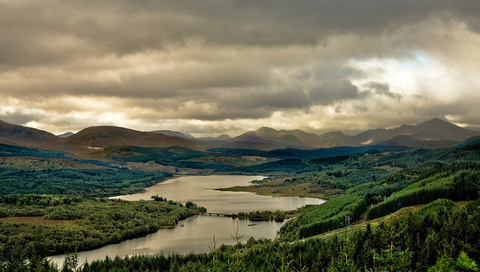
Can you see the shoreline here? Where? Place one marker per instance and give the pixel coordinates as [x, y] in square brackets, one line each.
[300, 190]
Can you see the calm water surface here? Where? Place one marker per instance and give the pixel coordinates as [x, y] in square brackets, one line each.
[195, 234]
[201, 190]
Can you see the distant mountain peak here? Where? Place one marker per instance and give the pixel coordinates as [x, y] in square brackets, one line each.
[266, 130]
[334, 133]
[223, 137]
[432, 133]
[66, 134]
[174, 133]
[436, 122]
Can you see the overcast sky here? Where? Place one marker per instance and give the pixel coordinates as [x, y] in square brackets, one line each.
[208, 67]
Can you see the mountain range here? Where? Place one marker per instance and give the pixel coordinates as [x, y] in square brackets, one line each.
[434, 133]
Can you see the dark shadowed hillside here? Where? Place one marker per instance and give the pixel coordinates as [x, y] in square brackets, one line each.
[97, 138]
[265, 134]
[24, 136]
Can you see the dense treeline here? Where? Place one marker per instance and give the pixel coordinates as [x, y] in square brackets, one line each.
[321, 218]
[439, 237]
[331, 155]
[331, 215]
[166, 156]
[349, 178]
[339, 159]
[413, 186]
[364, 189]
[290, 165]
[10, 150]
[458, 181]
[66, 224]
[85, 182]
[378, 191]
[277, 216]
[470, 151]
[340, 176]
[181, 157]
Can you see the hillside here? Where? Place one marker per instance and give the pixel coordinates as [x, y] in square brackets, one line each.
[98, 138]
[421, 222]
[269, 139]
[270, 135]
[66, 134]
[24, 136]
[174, 133]
[361, 184]
[434, 133]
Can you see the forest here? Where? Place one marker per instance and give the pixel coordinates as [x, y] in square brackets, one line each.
[414, 210]
[409, 187]
[68, 223]
[79, 182]
[441, 236]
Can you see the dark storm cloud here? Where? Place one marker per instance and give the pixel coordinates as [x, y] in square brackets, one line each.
[217, 59]
[32, 33]
[19, 117]
[231, 90]
[331, 91]
[381, 88]
[182, 83]
[259, 104]
[322, 84]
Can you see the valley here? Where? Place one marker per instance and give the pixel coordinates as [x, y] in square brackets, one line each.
[239, 136]
[55, 197]
[195, 233]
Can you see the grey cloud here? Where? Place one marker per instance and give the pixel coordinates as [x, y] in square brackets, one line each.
[331, 91]
[323, 84]
[232, 90]
[272, 100]
[182, 84]
[19, 117]
[465, 110]
[227, 113]
[233, 104]
[206, 108]
[191, 84]
[260, 104]
[332, 83]
[328, 70]
[58, 49]
[32, 33]
[381, 88]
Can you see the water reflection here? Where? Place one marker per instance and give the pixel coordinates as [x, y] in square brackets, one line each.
[201, 190]
[195, 234]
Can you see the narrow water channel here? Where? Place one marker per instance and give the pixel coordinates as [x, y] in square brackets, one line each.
[195, 234]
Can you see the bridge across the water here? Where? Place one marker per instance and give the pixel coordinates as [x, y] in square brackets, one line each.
[217, 214]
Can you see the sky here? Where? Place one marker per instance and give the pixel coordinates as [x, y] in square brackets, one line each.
[212, 67]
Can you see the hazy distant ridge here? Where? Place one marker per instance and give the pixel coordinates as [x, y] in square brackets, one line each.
[434, 133]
